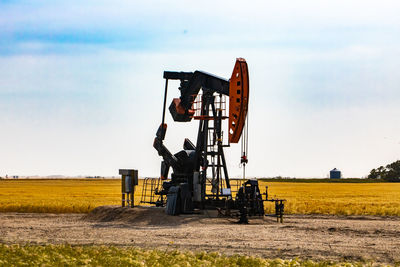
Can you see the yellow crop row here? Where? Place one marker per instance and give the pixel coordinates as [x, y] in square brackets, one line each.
[66, 255]
[81, 196]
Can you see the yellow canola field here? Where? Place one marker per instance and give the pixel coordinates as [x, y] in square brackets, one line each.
[58, 196]
[337, 198]
[83, 195]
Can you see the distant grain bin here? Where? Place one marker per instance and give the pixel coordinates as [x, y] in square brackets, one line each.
[335, 174]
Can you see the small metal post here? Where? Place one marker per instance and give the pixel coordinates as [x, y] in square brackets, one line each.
[123, 190]
[277, 212]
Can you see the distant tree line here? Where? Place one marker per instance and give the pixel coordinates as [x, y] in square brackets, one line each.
[390, 173]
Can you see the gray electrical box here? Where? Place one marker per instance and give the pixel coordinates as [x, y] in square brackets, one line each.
[129, 179]
[128, 184]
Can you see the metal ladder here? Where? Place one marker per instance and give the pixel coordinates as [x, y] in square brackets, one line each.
[149, 189]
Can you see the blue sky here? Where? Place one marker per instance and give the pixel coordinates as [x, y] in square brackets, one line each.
[81, 82]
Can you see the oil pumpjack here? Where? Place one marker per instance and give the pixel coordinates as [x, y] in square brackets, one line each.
[199, 178]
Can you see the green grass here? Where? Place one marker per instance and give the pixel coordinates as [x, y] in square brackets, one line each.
[66, 255]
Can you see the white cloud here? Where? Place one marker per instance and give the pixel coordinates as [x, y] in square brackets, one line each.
[324, 84]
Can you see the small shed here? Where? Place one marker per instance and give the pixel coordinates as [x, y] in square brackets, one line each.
[335, 174]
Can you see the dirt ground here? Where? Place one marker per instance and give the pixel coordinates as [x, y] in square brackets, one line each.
[313, 237]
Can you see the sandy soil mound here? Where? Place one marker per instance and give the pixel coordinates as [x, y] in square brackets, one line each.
[143, 215]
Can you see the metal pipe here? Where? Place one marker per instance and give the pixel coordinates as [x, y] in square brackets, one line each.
[165, 103]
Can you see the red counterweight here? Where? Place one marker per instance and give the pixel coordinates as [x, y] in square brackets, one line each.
[238, 99]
